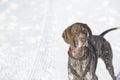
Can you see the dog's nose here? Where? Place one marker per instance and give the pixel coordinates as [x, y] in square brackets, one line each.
[83, 39]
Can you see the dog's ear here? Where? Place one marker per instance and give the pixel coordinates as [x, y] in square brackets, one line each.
[88, 29]
[67, 36]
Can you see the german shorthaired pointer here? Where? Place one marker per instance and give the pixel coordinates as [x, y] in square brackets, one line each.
[84, 51]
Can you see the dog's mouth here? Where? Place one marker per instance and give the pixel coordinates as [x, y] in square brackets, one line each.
[79, 52]
[82, 50]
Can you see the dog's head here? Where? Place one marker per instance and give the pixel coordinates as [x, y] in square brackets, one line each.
[76, 35]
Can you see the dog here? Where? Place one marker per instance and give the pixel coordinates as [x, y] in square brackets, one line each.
[84, 51]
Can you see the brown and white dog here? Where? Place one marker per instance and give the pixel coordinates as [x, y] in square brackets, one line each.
[84, 51]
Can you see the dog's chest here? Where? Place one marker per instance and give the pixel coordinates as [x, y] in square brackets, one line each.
[78, 65]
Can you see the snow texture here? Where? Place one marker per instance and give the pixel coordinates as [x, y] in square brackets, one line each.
[31, 46]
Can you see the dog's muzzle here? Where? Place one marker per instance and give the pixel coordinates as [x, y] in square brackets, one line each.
[86, 53]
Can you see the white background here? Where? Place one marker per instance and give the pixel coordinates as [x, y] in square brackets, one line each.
[31, 46]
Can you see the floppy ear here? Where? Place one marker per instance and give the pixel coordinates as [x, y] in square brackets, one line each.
[67, 36]
[89, 30]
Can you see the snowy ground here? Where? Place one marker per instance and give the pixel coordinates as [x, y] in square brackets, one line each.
[31, 46]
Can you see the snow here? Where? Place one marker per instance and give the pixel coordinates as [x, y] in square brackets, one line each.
[31, 46]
